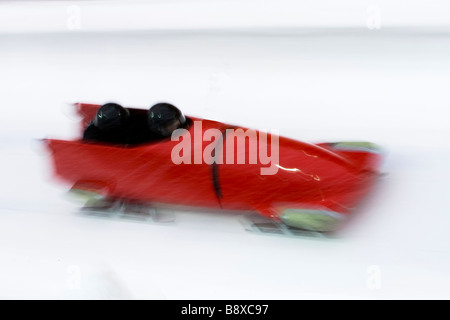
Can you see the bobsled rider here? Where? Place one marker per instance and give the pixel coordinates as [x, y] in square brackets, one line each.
[114, 124]
[111, 124]
[164, 118]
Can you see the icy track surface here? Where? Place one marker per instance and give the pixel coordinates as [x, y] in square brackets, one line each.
[385, 86]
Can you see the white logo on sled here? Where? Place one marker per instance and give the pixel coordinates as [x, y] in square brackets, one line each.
[213, 153]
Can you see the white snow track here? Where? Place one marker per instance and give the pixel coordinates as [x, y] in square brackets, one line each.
[385, 86]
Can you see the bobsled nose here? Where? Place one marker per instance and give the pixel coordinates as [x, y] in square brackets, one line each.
[356, 146]
[366, 157]
[312, 220]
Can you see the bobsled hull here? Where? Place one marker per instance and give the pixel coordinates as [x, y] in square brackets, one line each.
[309, 186]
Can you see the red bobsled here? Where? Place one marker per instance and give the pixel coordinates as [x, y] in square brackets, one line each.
[307, 186]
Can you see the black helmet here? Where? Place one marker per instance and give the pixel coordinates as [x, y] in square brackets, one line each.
[164, 118]
[110, 116]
